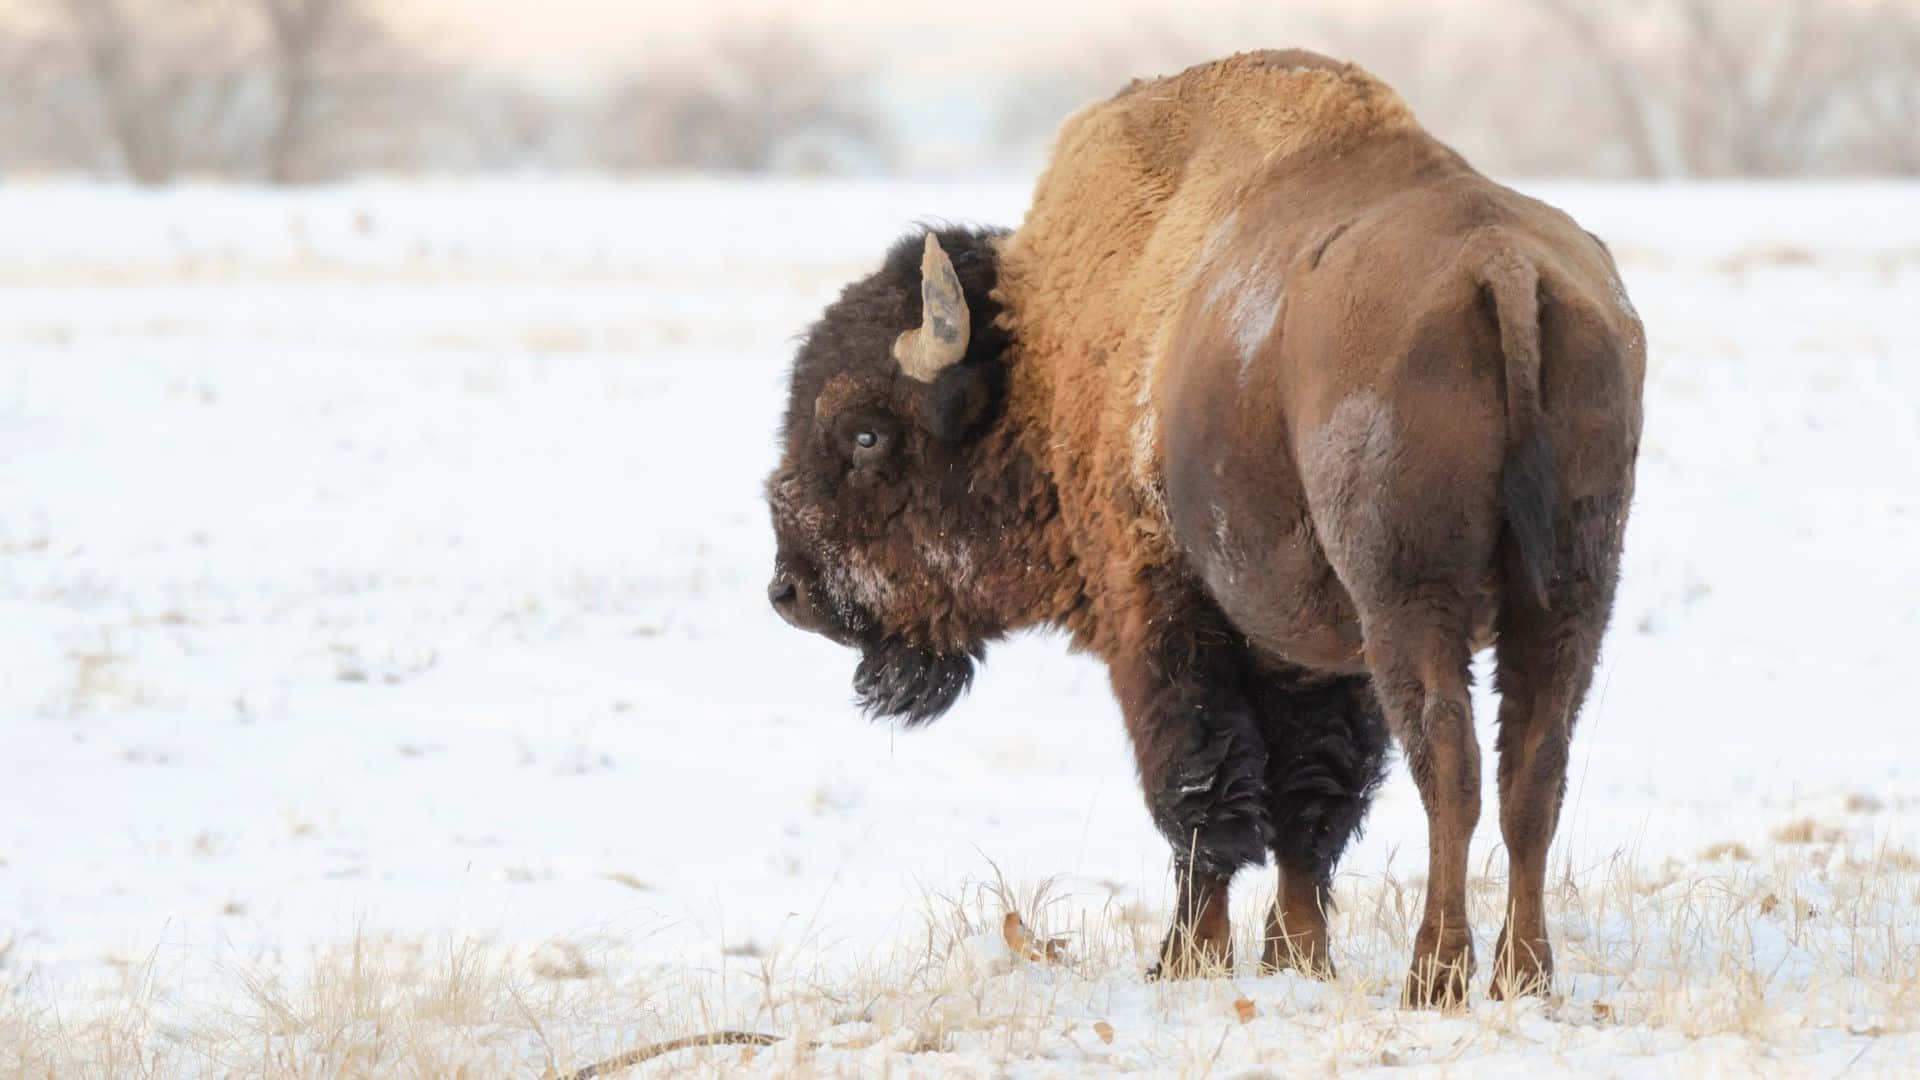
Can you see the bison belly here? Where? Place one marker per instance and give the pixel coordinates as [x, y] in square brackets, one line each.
[1239, 511]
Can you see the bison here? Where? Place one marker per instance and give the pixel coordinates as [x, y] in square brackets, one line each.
[1282, 410]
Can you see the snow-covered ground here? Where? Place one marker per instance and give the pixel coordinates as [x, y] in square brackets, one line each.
[386, 565]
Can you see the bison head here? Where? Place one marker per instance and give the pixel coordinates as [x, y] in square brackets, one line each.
[881, 528]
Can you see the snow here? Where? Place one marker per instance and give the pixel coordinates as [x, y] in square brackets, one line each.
[388, 561]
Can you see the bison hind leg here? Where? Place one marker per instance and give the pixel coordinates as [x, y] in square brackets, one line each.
[1546, 657]
[1418, 650]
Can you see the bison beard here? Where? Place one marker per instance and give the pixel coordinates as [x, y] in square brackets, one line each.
[914, 685]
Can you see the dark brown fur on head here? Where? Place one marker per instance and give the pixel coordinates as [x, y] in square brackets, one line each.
[894, 498]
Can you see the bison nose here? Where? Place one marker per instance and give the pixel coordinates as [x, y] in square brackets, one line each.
[784, 594]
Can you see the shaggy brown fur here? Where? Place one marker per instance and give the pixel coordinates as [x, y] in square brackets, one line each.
[1281, 409]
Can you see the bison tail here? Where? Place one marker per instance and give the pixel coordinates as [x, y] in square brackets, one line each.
[1529, 476]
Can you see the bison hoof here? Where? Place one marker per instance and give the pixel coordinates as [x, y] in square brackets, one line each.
[1309, 958]
[1187, 959]
[1442, 968]
[1525, 970]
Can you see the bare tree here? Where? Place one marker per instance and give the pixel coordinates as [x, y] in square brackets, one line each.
[167, 78]
[22, 124]
[1882, 88]
[506, 125]
[1625, 86]
[1720, 87]
[1037, 98]
[1764, 87]
[281, 90]
[300, 31]
[334, 67]
[757, 98]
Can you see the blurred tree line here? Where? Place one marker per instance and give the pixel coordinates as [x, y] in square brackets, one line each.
[1642, 89]
[295, 91]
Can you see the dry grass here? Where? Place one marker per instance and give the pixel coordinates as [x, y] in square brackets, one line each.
[1791, 957]
[1861, 803]
[1808, 831]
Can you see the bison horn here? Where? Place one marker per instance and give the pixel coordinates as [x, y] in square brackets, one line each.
[941, 338]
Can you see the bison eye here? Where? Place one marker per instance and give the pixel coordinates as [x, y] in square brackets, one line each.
[865, 439]
[869, 445]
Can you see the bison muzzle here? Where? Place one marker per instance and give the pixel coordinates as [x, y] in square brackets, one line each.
[1282, 410]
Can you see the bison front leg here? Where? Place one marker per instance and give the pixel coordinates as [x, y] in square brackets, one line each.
[1295, 937]
[1200, 941]
[1326, 753]
[1201, 766]
[1202, 763]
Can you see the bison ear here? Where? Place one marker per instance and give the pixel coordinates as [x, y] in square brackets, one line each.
[940, 341]
[959, 401]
